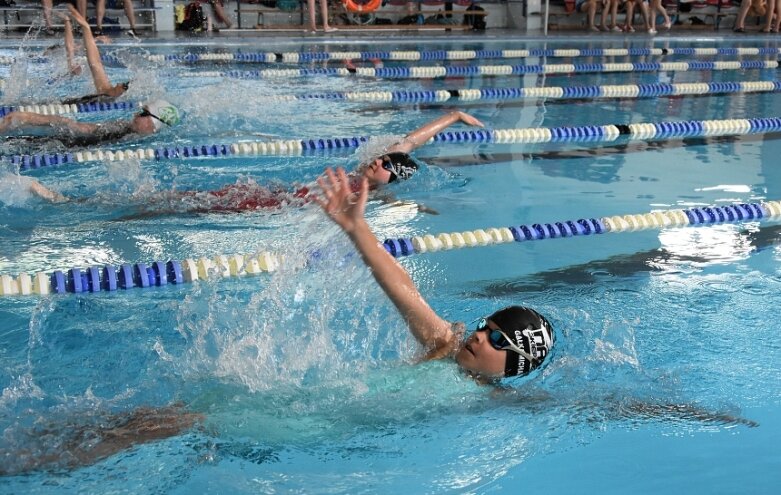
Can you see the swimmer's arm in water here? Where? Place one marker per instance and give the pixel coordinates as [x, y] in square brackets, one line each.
[419, 137]
[99, 77]
[16, 120]
[44, 192]
[347, 210]
[390, 199]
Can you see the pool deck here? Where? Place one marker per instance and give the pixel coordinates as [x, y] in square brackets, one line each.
[345, 36]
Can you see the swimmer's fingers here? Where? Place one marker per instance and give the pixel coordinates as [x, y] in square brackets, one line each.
[468, 119]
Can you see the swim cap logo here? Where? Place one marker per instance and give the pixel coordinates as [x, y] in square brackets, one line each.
[169, 115]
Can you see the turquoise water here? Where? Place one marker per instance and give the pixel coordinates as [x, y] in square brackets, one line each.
[307, 378]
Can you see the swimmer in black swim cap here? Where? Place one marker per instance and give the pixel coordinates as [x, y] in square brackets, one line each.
[396, 163]
[522, 335]
[512, 341]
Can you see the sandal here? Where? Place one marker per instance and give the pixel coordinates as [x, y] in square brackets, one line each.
[738, 30]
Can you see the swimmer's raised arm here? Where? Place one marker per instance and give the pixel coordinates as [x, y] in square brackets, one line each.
[347, 210]
[419, 137]
[44, 192]
[99, 77]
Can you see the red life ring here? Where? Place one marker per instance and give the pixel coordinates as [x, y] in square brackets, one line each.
[362, 6]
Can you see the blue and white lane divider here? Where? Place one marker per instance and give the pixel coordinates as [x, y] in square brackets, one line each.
[434, 72]
[160, 273]
[556, 92]
[707, 215]
[600, 133]
[463, 94]
[60, 109]
[416, 55]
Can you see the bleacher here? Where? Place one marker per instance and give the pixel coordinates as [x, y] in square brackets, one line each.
[22, 15]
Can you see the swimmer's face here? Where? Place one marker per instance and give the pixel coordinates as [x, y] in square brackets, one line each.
[375, 173]
[478, 356]
[143, 124]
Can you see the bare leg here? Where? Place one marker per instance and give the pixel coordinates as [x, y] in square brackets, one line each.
[740, 22]
[100, 13]
[47, 13]
[130, 13]
[324, 14]
[219, 13]
[777, 24]
[83, 445]
[630, 16]
[82, 6]
[311, 9]
[771, 5]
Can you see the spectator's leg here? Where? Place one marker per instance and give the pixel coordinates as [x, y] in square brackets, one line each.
[311, 8]
[219, 13]
[47, 13]
[614, 15]
[740, 22]
[630, 16]
[646, 17]
[81, 5]
[100, 13]
[324, 14]
[130, 12]
[771, 6]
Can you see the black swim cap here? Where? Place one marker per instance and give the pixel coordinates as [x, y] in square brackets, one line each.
[404, 166]
[528, 330]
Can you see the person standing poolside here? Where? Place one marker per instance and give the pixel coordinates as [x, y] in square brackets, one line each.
[323, 14]
[512, 341]
[151, 119]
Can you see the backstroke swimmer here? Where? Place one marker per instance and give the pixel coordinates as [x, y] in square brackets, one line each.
[511, 342]
[394, 164]
[154, 115]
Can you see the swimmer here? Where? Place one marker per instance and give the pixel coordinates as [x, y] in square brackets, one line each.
[512, 341]
[394, 164]
[105, 91]
[153, 116]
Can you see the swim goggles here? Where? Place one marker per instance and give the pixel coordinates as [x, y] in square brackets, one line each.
[146, 113]
[388, 165]
[501, 342]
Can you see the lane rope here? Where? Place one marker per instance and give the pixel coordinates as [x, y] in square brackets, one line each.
[110, 278]
[435, 72]
[417, 55]
[462, 94]
[589, 133]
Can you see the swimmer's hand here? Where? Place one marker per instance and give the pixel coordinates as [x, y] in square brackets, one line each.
[40, 190]
[426, 209]
[468, 119]
[103, 39]
[339, 202]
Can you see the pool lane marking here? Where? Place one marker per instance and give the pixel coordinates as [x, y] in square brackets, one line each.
[601, 133]
[111, 278]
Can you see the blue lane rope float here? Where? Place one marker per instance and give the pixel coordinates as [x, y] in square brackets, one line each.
[707, 215]
[462, 94]
[60, 109]
[434, 72]
[557, 92]
[588, 133]
[416, 55]
[111, 278]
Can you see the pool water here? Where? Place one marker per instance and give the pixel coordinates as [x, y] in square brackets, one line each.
[665, 373]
